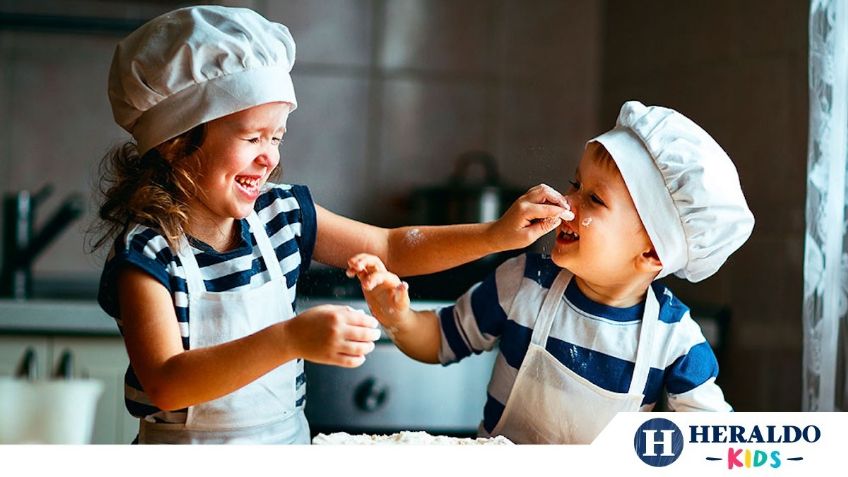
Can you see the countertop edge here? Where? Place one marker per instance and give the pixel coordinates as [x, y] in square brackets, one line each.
[77, 318]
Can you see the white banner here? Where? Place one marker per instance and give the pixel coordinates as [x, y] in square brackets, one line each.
[679, 444]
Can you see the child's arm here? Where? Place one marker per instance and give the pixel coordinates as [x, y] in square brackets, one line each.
[174, 378]
[416, 333]
[705, 397]
[427, 249]
[690, 380]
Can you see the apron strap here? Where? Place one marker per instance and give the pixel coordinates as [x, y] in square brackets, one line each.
[269, 256]
[194, 280]
[645, 346]
[265, 247]
[553, 300]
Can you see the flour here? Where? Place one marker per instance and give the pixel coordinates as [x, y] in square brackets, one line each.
[413, 237]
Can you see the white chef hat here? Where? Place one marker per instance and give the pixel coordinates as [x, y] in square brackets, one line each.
[685, 188]
[196, 64]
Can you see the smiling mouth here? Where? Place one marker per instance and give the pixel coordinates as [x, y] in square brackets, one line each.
[249, 184]
[567, 236]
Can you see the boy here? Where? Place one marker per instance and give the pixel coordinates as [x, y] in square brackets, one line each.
[588, 332]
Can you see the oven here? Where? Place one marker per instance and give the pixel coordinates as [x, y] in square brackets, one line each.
[391, 392]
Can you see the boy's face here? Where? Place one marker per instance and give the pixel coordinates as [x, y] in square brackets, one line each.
[238, 154]
[605, 242]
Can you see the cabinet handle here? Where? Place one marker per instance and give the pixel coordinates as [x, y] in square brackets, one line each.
[28, 367]
[65, 368]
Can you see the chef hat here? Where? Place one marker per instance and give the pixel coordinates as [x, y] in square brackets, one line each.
[196, 64]
[685, 188]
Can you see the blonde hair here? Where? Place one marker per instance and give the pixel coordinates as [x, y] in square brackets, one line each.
[152, 190]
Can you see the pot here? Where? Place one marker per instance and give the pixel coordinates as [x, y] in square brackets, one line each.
[474, 193]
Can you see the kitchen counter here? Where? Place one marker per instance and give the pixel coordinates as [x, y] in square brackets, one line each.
[86, 318]
[55, 317]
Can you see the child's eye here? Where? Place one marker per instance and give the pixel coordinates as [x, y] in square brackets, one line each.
[277, 140]
[253, 140]
[597, 200]
[575, 185]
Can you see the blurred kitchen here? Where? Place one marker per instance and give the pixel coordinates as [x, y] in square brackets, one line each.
[414, 111]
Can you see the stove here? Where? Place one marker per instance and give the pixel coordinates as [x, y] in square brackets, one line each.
[391, 392]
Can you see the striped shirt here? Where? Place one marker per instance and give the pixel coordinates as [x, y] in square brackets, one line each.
[289, 217]
[596, 341]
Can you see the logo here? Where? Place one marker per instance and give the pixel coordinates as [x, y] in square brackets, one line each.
[740, 456]
[658, 442]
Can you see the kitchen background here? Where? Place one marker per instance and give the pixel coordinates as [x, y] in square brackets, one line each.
[391, 91]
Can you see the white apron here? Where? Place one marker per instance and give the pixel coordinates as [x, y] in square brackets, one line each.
[551, 404]
[262, 412]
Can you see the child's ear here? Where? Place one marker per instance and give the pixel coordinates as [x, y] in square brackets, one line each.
[649, 261]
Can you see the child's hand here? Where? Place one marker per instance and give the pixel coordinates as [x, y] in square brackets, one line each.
[337, 335]
[531, 216]
[386, 294]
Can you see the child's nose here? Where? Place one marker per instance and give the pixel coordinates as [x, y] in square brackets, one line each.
[268, 157]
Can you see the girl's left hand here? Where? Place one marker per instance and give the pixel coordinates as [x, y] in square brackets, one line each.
[534, 214]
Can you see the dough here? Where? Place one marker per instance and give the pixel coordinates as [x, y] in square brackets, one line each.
[404, 437]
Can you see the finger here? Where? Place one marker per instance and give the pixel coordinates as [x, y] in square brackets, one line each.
[400, 295]
[362, 334]
[353, 264]
[544, 193]
[369, 277]
[365, 262]
[380, 279]
[356, 259]
[356, 348]
[544, 226]
[358, 318]
[368, 268]
[346, 361]
[546, 211]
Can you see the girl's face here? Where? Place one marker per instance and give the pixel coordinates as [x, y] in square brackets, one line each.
[236, 158]
[603, 243]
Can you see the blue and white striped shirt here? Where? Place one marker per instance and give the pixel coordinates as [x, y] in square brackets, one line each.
[289, 217]
[596, 341]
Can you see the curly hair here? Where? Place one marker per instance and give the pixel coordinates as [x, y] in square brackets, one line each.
[152, 190]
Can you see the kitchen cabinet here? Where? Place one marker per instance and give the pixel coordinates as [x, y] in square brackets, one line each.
[104, 359]
[97, 357]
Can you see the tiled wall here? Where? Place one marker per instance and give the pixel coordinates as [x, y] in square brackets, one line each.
[389, 93]
[740, 70]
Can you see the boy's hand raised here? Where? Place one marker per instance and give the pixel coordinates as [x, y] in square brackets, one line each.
[386, 294]
[534, 214]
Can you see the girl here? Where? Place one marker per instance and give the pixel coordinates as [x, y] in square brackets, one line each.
[202, 273]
